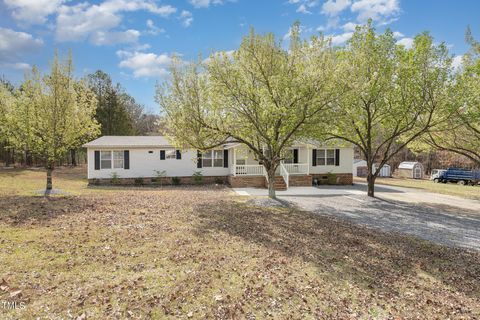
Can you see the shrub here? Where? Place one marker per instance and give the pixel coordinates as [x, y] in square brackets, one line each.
[176, 181]
[159, 174]
[332, 178]
[219, 180]
[138, 181]
[114, 178]
[197, 177]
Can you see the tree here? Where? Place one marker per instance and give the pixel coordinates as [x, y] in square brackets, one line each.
[55, 112]
[394, 94]
[262, 96]
[461, 133]
[118, 113]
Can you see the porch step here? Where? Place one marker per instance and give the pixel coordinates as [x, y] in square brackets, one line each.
[280, 183]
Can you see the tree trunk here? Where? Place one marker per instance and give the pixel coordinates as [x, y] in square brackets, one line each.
[49, 176]
[271, 183]
[371, 185]
[73, 155]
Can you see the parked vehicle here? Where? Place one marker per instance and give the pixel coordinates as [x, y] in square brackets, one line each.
[460, 176]
[436, 174]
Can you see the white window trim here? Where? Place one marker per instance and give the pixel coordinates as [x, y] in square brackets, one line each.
[112, 160]
[324, 151]
[213, 158]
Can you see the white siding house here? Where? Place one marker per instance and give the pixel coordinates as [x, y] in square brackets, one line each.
[134, 157]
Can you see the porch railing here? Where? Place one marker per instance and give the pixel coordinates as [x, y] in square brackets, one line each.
[296, 168]
[249, 170]
[284, 173]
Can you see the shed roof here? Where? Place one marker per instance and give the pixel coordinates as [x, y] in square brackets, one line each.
[408, 164]
[128, 141]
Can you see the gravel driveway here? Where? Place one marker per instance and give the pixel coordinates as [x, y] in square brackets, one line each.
[443, 219]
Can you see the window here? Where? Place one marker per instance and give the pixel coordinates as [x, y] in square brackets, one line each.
[330, 157]
[212, 158]
[118, 159]
[105, 159]
[170, 154]
[325, 157]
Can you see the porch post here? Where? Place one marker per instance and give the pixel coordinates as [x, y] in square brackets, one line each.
[234, 162]
[308, 160]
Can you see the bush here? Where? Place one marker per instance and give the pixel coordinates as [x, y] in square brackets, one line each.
[159, 174]
[114, 178]
[138, 181]
[332, 178]
[197, 177]
[176, 181]
[219, 180]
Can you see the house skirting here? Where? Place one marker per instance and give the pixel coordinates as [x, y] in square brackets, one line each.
[158, 181]
[334, 178]
[247, 181]
[233, 181]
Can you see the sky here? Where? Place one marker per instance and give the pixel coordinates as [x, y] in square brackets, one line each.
[134, 40]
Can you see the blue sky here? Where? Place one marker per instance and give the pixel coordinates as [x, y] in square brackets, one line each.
[134, 40]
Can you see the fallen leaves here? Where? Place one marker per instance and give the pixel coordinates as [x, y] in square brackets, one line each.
[195, 252]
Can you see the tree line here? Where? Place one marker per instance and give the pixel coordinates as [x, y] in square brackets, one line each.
[372, 93]
[47, 118]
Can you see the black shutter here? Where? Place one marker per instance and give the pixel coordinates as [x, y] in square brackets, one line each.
[162, 154]
[126, 159]
[295, 155]
[97, 160]
[225, 158]
[314, 157]
[337, 157]
[179, 155]
[199, 159]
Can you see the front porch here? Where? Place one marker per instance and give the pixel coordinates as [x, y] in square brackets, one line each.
[246, 172]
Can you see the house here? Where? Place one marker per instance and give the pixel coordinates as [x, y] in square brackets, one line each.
[138, 159]
[410, 169]
[360, 169]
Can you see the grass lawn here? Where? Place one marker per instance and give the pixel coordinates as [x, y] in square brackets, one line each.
[470, 192]
[201, 252]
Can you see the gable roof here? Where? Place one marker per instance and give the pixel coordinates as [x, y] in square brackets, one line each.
[408, 164]
[129, 141]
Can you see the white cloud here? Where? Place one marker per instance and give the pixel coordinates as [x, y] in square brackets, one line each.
[349, 26]
[82, 21]
[205, 3]
[17, 66]
[110, 38]
[457, 62]
[334, 7]
[187, 18]
[407, 42]
[153, 29]
[398, 34]
[303, 9]
[32, 11]
[377, 10]
[145, 64]
[13, 44]
[341, 38]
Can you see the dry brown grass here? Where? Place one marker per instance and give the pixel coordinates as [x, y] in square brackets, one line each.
[195, 252]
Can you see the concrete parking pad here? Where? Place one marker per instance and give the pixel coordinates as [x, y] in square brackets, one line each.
[443, 219]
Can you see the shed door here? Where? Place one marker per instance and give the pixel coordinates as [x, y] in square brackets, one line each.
[417, 173]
